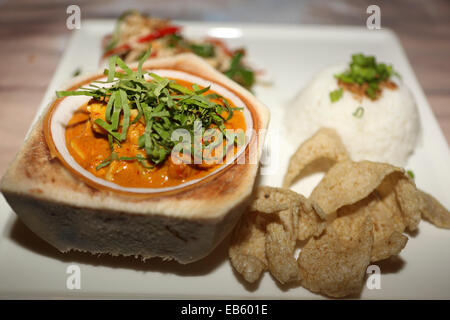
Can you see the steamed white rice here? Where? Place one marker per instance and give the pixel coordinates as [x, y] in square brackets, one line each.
[388, 130]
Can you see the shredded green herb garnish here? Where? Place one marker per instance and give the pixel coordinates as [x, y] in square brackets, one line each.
[239, 72]
[359, 112]
[164, 104]
[410, 173]
[335, 95]
[365, 70]
[114, 157]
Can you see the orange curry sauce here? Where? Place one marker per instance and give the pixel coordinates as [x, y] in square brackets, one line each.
[89, 148]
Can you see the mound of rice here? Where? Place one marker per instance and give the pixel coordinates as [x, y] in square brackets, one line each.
[387, 131]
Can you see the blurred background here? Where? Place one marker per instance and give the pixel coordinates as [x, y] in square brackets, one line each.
[33, 36]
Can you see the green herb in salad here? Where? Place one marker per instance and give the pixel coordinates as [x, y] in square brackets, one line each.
[239, 72]
[116, 34]
[127, 38]
[205, 50]
[174, 40]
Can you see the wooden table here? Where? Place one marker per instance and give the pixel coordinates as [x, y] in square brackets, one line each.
[33, 35]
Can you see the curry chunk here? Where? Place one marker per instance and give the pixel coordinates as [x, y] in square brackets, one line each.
[97, 110]
[179, 170]
[78, 148]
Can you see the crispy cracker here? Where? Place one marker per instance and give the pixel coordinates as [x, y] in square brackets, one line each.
[324, 144]
[266, 236]
[434, 212]
[410, 201]
[247, 249]
[335, 263]
[280, 246]
[348, 182]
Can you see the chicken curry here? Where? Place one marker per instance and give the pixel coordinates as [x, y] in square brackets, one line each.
[89, 145]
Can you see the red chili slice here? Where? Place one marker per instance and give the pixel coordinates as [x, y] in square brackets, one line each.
[159, 33]
[150, 37]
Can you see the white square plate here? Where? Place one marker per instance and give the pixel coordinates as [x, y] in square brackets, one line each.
[291, 55]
